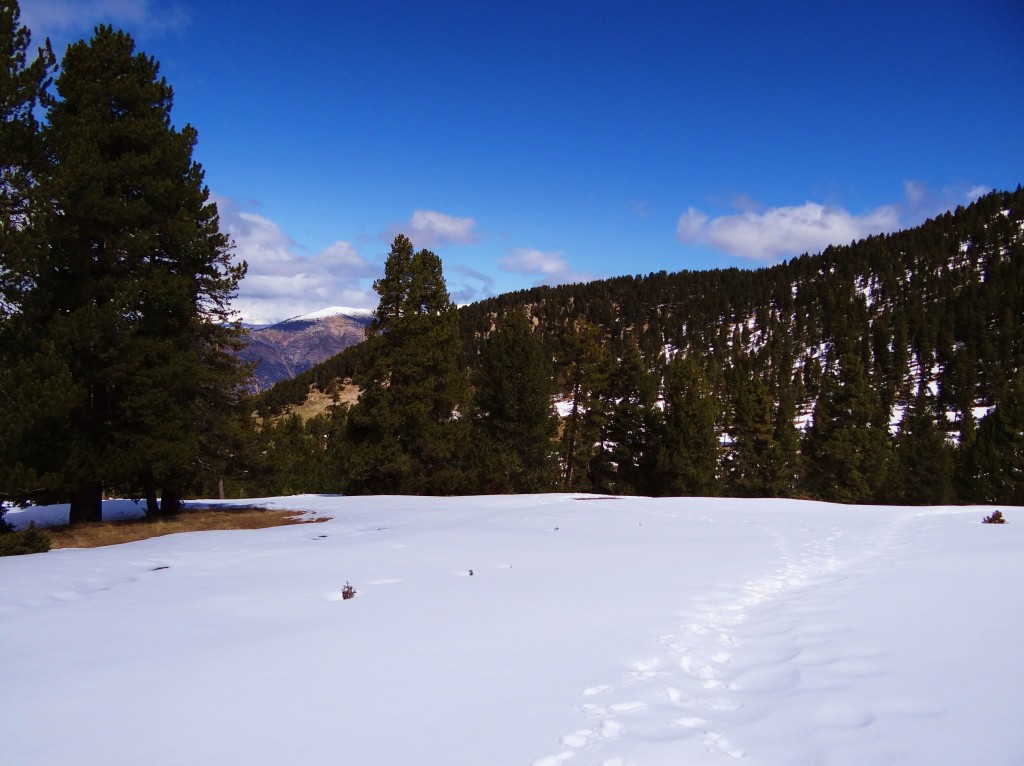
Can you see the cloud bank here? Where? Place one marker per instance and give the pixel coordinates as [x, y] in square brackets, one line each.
[282, 281]
[770, 234]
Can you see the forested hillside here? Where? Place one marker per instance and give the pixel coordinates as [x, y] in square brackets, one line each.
[888, 369]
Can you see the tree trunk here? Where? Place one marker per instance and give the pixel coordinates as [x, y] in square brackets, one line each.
[170, 502]
[152, 505]
[86, 503]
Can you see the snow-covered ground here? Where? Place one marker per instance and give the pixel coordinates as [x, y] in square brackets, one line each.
[590, 631]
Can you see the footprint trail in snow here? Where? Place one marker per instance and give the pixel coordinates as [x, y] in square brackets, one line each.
[732, 660]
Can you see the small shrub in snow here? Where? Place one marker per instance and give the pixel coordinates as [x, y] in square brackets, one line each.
[30, 540]
[995, 518]
[348, 591]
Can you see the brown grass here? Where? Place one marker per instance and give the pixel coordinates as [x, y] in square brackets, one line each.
[94, 535]
[318, 402]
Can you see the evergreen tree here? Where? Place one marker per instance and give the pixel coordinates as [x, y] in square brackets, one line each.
[846, 446]
[407, 427]
[996, 457]
[688, 455]
[23, 88]
[756, 466]
[513, 399]
[922, 464]
[624, 463]
[130, 294]
[33, 383]
[586, 362]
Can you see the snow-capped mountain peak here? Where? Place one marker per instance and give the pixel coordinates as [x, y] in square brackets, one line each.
[332, 311]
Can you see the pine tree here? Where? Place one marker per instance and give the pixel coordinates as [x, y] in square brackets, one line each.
[688, 455]
[624, 463]
[995, 459]
[23, 88]
[407, 427]
[755, 466]
[131, 292]
[513, 399]
[922, 463]
[586, 361]
[847, 444]
[33, 383]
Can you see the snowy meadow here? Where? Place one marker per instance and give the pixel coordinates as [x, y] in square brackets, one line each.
[525, 630]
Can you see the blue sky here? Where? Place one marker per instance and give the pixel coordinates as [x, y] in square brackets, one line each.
[548, 142]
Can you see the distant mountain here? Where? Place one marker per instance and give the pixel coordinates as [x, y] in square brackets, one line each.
[283, 350]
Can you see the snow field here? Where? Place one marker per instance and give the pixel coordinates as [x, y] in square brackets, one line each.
[610, 632]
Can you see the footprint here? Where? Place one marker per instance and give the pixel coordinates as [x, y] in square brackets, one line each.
[554, 760]
[688, 722]
[716, 740]
[611, 728]
[646, 668]
[590, 691]
[625, 707]
[697, 669]
[577, 739]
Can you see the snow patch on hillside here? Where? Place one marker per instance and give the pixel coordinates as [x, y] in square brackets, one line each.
[333, 311]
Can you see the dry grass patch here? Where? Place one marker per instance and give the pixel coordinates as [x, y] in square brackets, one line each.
[95, 535]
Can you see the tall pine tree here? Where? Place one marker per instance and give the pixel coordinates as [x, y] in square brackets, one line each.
[408, 428]
[131, 292]
[514, 412]
[689, 450]
[34, 385]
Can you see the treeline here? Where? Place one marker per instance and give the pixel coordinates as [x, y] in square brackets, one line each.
[118, 370]
[855, 375]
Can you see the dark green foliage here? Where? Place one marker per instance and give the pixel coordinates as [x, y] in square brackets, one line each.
[585, 362]
[29, 540]
[688, 447]
[757, 465]
[846, 446]
[23, 88]
[123, 315]
[921, 470]
[514, 415]
[408, 431]
[624, 462]
[995, 458]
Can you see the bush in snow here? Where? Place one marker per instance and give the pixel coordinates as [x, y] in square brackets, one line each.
[348, 591]
[995, 518]
[30, 540]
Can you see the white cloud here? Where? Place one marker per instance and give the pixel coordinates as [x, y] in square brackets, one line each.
[282, 281]
[70, 19]
[466, 284]
[552, 268]
[429, 228]
[773, 233]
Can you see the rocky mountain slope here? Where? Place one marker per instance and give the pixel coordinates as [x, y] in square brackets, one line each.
[284, 350]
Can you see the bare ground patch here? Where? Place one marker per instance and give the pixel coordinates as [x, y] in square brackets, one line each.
[95, 535]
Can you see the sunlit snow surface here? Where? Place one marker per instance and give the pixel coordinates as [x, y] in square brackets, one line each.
[591, 631]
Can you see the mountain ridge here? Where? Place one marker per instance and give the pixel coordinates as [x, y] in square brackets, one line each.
[283, 350]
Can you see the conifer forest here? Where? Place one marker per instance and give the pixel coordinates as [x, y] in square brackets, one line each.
[884, 371]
